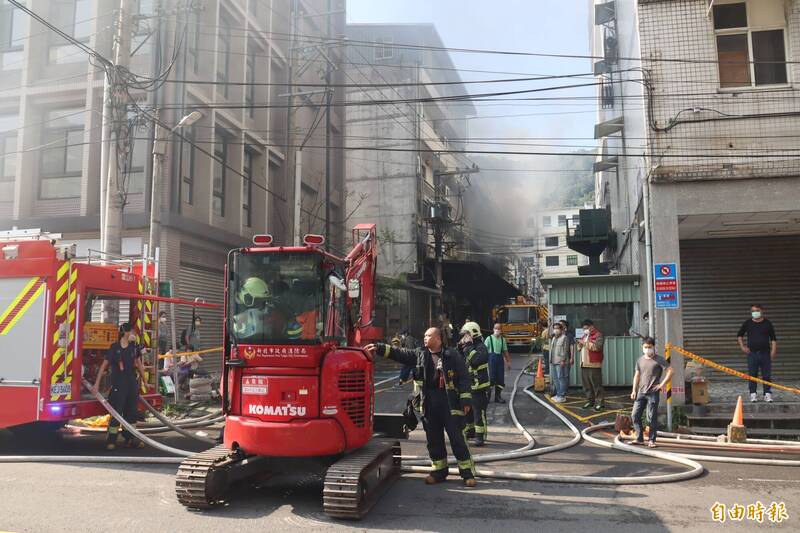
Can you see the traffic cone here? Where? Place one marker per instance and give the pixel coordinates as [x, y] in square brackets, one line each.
[736, 430]
[538, 381]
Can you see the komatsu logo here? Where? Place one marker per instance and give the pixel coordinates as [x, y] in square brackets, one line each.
[277, 410]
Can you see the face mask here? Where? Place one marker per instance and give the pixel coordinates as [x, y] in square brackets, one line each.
[163, 320]
[756, 314]
[648, 351]
[497, 333]
[557, 332]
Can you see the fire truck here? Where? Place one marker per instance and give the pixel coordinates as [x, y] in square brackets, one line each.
[54, 330]
[298, 388]
[519, 321]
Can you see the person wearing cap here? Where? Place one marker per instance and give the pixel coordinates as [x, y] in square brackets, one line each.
[124, 358]
[591, 347]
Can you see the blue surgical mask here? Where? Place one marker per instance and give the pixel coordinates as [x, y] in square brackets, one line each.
[756, 314]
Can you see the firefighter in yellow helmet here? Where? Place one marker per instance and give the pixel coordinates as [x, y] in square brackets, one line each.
[476, 359]
[252, 299]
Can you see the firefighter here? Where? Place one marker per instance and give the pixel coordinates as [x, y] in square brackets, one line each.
[476, 357]
[444, 399]
[124, 359]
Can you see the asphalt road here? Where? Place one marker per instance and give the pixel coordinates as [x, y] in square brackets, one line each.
[103, 498]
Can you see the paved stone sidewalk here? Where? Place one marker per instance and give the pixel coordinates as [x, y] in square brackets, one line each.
[728, 391]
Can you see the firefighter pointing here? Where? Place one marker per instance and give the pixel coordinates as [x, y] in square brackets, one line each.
[444, 399]
[476, 357]
[124, 359]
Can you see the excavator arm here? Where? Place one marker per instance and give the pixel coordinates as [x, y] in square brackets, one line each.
[360, 277]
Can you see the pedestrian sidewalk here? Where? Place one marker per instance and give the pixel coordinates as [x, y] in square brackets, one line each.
[729, 391]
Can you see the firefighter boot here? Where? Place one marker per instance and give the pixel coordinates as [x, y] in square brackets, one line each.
[479, 440]
[470, 482]
[497, 397]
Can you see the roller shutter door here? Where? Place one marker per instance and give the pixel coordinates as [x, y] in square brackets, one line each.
[208, 284]
[721, 278]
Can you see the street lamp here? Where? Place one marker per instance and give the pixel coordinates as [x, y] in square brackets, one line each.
[159, 148]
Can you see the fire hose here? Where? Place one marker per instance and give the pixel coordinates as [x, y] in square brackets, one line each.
[175, 427]
[688, 460]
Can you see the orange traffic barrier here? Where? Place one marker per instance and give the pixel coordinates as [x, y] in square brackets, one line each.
[738, 415]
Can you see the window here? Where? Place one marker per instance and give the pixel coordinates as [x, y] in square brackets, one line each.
[572, 260]
[220, 168]
[12, 36]
[187, 165]
[193, 38]
[383, 48]
[137, 158]
[62, 155]
[8, 156]
[143, 30]
[247, 188]
[250, 78]
[751, 47]
[551, 241]
[547, 221]
[551, 260]
[562, 220]
[223, 63]
[73, 17]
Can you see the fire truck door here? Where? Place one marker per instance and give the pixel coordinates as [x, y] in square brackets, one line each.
[22, 322]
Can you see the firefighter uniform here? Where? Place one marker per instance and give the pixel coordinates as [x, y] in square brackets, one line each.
[443, 385]
[476, 357]
[124, 395]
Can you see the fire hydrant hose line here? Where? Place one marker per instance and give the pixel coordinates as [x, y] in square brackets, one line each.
[688, 460]
[418, 460]
[174, 427]
[133, 431]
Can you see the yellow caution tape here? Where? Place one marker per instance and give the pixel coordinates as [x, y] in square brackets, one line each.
[732, 372]
[200, 352]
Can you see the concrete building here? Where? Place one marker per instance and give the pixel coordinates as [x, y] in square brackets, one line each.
[549, 230]
[699, 114]
[51, 100]
[401, 175]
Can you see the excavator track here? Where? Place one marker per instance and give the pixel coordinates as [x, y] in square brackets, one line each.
[354, 483]
[201, 480]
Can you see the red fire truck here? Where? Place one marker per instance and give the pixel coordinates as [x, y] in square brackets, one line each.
[53, 329]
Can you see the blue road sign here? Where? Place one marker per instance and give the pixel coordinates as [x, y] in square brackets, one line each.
[666, 285]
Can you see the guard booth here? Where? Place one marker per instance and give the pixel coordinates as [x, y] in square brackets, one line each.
[612, 303]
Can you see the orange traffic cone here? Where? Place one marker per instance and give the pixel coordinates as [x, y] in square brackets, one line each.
[738, 416]
[736, 430]
[538, 381]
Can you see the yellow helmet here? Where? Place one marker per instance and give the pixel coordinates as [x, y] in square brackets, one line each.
[253, 289]
[472, 328]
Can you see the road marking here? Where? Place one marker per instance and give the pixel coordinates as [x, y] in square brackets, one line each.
[771, 480]
[385, 381]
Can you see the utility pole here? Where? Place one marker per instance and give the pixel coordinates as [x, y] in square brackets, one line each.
[440, 218]
[294, 157]
[328, 131]
[160, 135]
[119, 141]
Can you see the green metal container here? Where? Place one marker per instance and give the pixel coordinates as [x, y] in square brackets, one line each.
[619, 360]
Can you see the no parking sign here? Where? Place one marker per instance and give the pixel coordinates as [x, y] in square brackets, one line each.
[666, 281]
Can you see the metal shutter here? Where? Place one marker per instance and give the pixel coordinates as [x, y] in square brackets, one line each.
[208, 284]
[721, 278]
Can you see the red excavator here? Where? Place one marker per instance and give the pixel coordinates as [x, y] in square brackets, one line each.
[296, 383]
